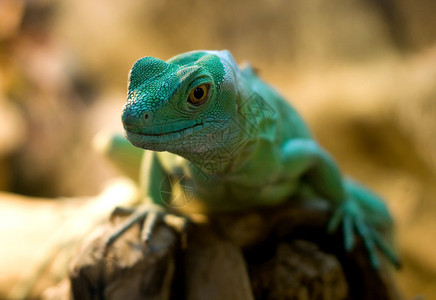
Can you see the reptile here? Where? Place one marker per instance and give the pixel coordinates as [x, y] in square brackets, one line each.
[230, 142]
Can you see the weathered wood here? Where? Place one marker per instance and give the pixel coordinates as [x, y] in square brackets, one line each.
[299, 270]
[277, 253]
[214, 268]
[129, 270]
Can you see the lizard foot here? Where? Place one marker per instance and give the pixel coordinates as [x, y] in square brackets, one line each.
[352, 217]
[149, 216]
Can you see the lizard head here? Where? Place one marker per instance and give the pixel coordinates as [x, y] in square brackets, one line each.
[183, 105]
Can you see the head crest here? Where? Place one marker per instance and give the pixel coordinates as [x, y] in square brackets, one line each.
[144, 69]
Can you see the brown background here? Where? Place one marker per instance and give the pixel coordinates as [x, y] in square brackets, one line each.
[361, 72]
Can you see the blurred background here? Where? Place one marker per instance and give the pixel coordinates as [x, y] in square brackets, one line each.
[361, 72]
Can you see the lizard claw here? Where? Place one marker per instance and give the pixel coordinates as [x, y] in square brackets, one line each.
[150, 216]
[352, 217]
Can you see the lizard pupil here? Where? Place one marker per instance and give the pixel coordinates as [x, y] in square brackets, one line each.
[198, 93]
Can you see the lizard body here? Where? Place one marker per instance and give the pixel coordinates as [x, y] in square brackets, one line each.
[229, 140]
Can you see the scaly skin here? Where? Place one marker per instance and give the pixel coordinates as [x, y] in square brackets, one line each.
[234, 143]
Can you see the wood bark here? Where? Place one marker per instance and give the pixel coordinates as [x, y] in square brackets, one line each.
[276, 253]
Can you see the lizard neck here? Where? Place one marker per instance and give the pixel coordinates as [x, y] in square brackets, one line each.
[219, 151]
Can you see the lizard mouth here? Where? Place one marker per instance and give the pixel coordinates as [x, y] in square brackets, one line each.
[164, 133]
[173, 131]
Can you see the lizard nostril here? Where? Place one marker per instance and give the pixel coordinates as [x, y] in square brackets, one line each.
[146, 116]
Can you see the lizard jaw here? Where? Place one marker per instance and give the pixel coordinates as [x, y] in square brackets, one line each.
[163, 135]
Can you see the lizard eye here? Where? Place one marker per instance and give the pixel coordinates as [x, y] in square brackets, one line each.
[198, 94]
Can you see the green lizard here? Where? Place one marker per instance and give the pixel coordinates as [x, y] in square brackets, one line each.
[231, 142]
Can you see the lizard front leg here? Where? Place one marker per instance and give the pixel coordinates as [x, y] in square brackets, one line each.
[304, 159]
[153, 180]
